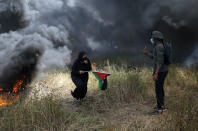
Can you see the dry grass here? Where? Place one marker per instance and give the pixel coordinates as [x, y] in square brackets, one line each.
[125, 106]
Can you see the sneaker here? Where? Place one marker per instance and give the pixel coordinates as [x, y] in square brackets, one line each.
[164, 109]
[157, 111]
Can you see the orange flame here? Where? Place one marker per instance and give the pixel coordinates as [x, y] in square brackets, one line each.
[5, 102]
[17, 86]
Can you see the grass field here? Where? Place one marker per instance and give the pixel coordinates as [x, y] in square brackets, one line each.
[125, 106]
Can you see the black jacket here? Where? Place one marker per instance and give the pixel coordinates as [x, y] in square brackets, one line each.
[80, 65]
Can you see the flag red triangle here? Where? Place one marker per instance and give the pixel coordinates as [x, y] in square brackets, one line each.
[102, 75]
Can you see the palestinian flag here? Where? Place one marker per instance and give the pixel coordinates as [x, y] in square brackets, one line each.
[102, 78]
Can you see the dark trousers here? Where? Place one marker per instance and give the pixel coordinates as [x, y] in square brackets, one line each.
[81, 88]
[159, 88]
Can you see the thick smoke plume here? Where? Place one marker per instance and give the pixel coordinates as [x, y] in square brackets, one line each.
[55, 29]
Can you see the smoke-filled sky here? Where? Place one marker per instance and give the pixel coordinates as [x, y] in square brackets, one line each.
[58, 28]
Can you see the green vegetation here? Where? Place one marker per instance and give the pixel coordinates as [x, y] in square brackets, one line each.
[125, 106]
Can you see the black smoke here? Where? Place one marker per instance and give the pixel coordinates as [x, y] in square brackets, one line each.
[133, 21]
[126, 26]
[11, 16]
[121, 26]
[22, 66]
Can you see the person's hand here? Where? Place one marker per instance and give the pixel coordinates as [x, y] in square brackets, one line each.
[155, 77]
[145, 51]
[81, 72]
[86, 61]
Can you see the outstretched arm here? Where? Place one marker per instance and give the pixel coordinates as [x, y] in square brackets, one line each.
[147, 53]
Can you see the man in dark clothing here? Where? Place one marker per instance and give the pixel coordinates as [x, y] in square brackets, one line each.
[79, 76]
[160, 68]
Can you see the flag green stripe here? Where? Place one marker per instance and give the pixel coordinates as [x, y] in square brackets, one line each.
[100, 81]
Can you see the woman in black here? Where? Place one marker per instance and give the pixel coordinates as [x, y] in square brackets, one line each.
[79, 76]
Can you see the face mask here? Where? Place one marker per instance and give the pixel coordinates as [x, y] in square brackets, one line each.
[152, 41]
[83, 59]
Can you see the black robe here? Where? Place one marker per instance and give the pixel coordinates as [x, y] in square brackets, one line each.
[80, 80]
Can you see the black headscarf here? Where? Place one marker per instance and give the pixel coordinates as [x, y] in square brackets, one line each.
[80, 65]
[81, 54]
